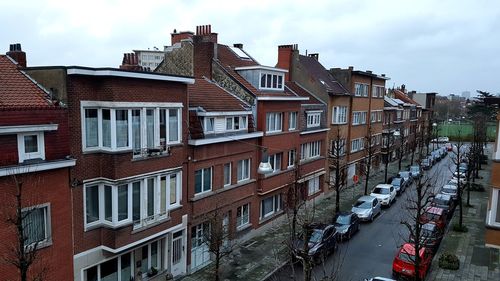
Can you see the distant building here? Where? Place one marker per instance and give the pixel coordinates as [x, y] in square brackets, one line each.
[466, 94]
[150, 58]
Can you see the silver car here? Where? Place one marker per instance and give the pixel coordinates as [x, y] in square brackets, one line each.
[366, 207]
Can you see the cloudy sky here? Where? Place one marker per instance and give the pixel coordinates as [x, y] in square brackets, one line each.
[445, 46]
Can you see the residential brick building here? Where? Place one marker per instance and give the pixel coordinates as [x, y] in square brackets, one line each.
[34, 165]
[366, 110]
[129, 194]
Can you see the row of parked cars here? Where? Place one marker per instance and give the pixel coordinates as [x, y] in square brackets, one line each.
[434, 157]
[433, 224]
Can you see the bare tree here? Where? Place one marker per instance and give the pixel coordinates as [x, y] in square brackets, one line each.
[338, 164]
[459, 155]
[24, 252]
[371, 148]
[402, 147]
[220, 239]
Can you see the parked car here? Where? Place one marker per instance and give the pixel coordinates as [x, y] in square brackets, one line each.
[379, 279]
[426, 163]
[436, 155]
[385, 193]
[463, 168]
[399, 184]
[406, 175]
[322, 241]
[415, 171]
[450, 190]
[404, 262]
[459, 176]
[445, 202]
[346, 223]
[366, 207]
[430, 236]
[435, 215]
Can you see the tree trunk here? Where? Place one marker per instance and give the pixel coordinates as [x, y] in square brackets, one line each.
[386, 167]
[367, 174]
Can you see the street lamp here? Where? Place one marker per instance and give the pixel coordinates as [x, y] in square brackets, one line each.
[264, 166]
[434, 126]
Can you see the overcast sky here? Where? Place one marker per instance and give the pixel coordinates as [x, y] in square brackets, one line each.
[444, 46]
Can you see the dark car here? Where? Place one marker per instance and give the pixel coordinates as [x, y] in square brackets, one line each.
[406, 175]
[346, 223]
[445, 202]
[322, 241]
[430, 236]
[399, 184]
[415, 172]
[426, 163]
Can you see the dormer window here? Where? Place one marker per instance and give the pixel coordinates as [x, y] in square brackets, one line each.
[30, 146]
[313, 119]
[235, 123]
[271, 81]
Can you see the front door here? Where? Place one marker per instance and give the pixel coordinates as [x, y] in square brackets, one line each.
[178, 256]
[200, 254]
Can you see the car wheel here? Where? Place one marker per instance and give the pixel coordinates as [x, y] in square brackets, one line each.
[371, 218]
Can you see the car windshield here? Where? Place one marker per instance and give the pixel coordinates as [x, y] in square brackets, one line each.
[406, 257]
[449, 190]
[379, 190]
[363, 204]
[315, 236]
[404, 174]
[343, 220]
[440, 201]
[426, 233]
[431, 216]
[396, 182]
[414, 169]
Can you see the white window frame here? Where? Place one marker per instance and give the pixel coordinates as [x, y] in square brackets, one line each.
[277, 119]
[113, 107]
[244, 165]
[242, 123]
[359, 117]
[310, 150]
[313, 119]
[23, 156]
[357, 145]
[339, 115]
[144, 218]
[206, 121]
[292, 121]
[203, 190]
[378, 91]
[274, 163]
[224, 173]
[342, 143]
[492, 213]
[361, 89]
[292, 155]
[277, 206]
[313, 186]
[272, 76]
[48, 226]
[242, 219]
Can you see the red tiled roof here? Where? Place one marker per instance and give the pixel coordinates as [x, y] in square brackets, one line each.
[402, 96]
[17, 90]
[211, 97]
[300, 91]
[229, 58]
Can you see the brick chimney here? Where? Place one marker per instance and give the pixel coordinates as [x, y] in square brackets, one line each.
[205, 50]
[314, 56]
[17, 54]
[176, 37]
[131, 62]
[285, 56]
[204, 34]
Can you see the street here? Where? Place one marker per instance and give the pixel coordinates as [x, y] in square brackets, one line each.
[371, 251]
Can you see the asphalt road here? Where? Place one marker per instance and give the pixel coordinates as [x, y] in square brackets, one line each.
[371, 251]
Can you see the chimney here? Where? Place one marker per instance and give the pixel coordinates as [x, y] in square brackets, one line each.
[383, 74]
[351, 68]
[204, 34]
[403, 88]
[17, 54]
[238, 45]
[369, 71]
[131, 62]
[182, 35]
[314, 55]
[285, 57]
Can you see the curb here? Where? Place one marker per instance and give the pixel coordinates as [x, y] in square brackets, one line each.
[274, 271]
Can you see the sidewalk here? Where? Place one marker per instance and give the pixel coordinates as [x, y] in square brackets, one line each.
[477, 262]
[265, 252]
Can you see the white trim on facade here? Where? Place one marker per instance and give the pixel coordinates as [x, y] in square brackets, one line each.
[267, 98]
[9, 130]
[314, 131]
[225, 139]
[224, 113]
[253, 67]
[122, 104]
[126, 74]
[31, 168]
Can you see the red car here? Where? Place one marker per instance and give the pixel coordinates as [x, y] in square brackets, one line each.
[404, 262]
[436, 215]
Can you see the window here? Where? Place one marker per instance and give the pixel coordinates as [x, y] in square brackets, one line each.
[339, 115]
[310, 150]
[236, 123]
[274, 122]
[271, 81]
[359, 117]
[208, 124]
[243, 170]
[36, 226]
[227, 174]
[338, 147]
[270, 206]
[30, 146]
[203, 180]
[275, 161]
[291, 158]
[138, 129]
[493, 214]
[243, 216]
[375, 116]
[378, 91]
[313, 119]
[292, 122]
[140, 201]
[313, 186]
[357, 145]
[360, 90]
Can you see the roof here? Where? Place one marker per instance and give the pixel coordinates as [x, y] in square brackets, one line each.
[18, 90]
[323, 77]
[410, 249]
[390, 101]
[402, 96]
[211, 97]
[434, 210]
[301, 91]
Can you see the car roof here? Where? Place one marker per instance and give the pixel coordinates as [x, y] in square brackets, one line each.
[450, 186]
[429, 226]
[443, 196]
[384, 185]
[366, 198]
[409, 248]
[434, 210]
[344, 213]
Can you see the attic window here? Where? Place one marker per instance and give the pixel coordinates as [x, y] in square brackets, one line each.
[271, 81]
[240, 53]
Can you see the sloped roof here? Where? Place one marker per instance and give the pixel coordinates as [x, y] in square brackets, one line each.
[211, 97]
[323, 77]
[300, 91]
[18, 90]
[402, 96]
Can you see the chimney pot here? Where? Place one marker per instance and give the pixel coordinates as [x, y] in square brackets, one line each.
[238, 45]
[369, 71]
[383, 74]
[351, 68]
[314, 55]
